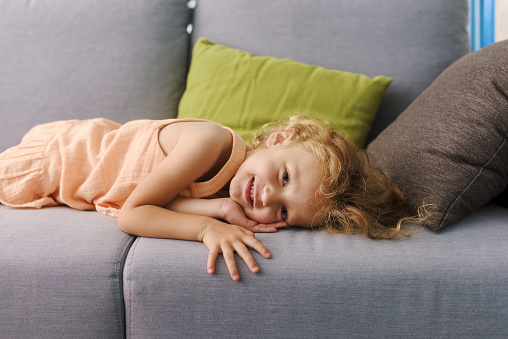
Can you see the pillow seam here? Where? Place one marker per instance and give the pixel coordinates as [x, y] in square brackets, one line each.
[473, 180]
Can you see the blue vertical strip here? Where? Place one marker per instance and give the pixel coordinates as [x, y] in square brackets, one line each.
[470, 23]
[481, 23]
[488, 14]
[476, 26]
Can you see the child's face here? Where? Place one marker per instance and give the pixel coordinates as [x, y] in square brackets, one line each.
[278, 183]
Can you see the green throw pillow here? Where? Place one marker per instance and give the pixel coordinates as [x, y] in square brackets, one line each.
[244, 91]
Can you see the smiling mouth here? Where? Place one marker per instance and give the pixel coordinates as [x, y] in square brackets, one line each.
[249, 192]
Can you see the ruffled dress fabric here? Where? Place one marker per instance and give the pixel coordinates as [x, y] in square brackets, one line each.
[93, 164]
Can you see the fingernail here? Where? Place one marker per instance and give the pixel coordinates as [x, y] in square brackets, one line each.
[236, 277]
[210, 271]
[255, 269]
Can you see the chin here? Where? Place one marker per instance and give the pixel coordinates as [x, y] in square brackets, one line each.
[250, 214]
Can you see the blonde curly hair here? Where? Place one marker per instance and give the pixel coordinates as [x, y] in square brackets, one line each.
[362, 199]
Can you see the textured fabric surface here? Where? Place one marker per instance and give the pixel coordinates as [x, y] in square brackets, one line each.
[409, 41]
[83, 59]
[317, 285]
[61, 274]
[94, 164]
[450, 146]
[244, 92]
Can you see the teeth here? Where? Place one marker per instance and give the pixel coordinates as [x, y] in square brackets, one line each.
[252, 192]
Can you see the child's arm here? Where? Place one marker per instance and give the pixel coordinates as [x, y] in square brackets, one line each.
[194, 150]
[219, 237]
[222, 208]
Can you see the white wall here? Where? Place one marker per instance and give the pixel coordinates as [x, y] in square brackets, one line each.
[501, 20]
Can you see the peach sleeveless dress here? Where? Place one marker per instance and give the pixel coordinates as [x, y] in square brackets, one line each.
[93, 164]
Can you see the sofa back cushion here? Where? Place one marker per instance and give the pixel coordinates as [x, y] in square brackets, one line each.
[117, 59]
[410, 41]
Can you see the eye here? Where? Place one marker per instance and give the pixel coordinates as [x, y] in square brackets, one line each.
[285, 179]
[283, 213]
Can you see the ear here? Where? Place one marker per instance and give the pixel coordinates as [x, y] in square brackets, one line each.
[281, 137]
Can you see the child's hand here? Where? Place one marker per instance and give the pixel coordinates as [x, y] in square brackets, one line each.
[224, 238]
[268, 228]
[234, 214]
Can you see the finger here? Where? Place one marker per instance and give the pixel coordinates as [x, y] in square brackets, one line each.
[229, 257]
[247, 232]
[250, 224]
[264, 229]
[244, 253]
[257, 245]
[270, 228]
[246, 222]
[212, 257]
[279, 224]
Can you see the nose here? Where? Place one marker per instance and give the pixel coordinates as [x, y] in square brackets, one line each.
[269, 196]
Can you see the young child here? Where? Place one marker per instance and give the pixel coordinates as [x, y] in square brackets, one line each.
[152, 175]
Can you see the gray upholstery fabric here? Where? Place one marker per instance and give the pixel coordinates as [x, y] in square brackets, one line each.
[450, 147]
[89, 58]
[410, 41]
[61, 274]
[317, 285]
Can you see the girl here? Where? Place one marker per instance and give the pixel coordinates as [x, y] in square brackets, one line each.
[153, 174]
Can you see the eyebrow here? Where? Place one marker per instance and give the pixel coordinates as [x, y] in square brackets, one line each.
[291, 216]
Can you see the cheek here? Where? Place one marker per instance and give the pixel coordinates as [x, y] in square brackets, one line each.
[234, 189]
[237, 187]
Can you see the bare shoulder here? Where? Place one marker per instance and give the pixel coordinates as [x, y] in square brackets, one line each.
[201, 134]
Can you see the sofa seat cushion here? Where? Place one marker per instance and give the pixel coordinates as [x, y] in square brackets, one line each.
[61, 274]
[318, 285]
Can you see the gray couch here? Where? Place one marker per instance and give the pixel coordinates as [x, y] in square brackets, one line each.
[68, 273]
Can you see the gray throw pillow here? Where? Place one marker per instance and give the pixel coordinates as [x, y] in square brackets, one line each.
[450, 147]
